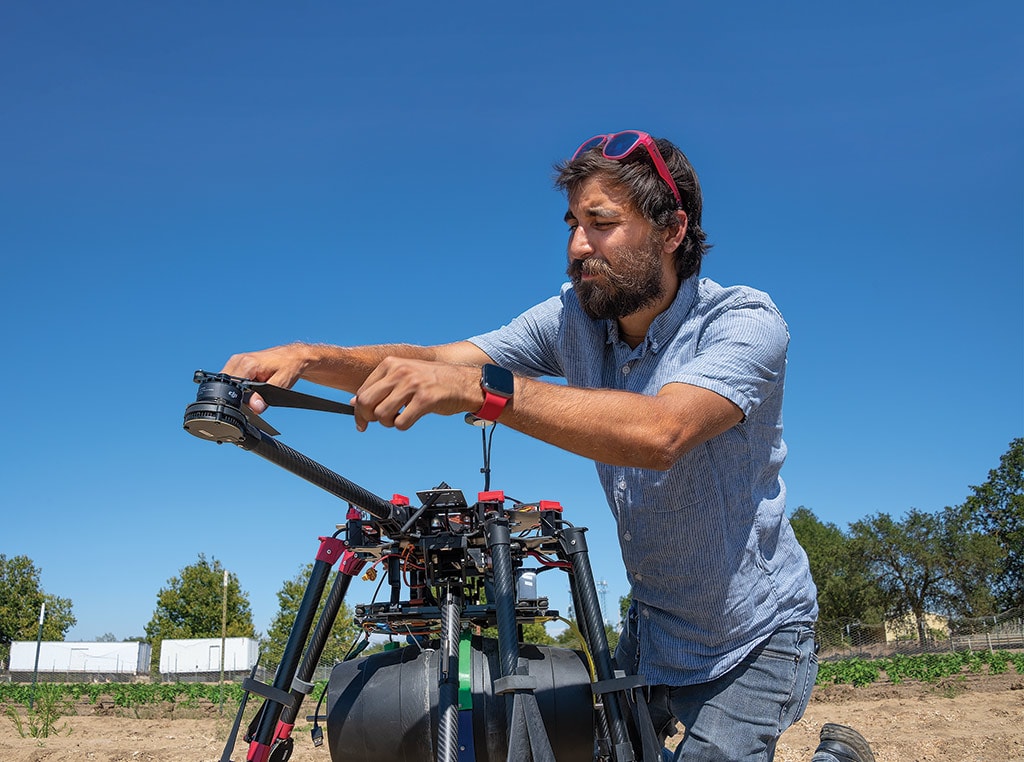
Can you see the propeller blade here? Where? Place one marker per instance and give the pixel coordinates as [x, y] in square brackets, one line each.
[281, 397]
[258, 422]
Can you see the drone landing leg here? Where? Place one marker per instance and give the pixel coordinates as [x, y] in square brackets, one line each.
[350, 566]
[448, 682]
[527, 736]
[279, 695]
[584, 592]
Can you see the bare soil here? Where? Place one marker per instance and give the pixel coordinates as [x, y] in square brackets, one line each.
[970, 718]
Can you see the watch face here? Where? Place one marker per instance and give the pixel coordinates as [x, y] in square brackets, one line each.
[497, 380]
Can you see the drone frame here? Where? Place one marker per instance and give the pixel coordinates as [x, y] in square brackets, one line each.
[220, 414]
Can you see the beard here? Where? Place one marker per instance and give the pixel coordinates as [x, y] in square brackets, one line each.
[618, 292]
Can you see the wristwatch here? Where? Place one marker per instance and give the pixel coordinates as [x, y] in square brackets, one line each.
[498, 386]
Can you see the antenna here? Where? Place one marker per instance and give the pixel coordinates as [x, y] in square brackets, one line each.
[602, 585]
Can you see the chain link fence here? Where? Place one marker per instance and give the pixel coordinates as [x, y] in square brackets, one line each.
[932, 634]
[840, 639]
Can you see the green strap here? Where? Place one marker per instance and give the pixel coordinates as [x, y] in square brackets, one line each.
[465, 671]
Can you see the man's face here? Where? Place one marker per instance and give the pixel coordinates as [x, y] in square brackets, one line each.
[615, 255]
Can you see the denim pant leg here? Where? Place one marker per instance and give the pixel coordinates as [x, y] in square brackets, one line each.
[740, 716]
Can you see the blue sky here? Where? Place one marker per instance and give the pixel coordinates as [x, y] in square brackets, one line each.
[179, 182]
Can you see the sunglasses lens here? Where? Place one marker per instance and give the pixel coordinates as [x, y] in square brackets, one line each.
[592, 143]
[621, 144]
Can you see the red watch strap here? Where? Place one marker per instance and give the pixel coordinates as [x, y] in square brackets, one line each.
[493, 405]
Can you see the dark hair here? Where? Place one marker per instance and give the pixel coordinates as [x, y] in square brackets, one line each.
[652, 198]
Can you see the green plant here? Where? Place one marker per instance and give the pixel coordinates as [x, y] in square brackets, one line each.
[854, 671]
[42, 712]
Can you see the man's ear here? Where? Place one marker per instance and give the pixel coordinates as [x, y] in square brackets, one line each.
[674, 236]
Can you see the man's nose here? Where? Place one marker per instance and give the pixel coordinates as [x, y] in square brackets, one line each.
[579, 244]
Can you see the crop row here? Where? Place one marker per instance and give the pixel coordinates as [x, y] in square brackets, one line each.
[858, 672]
[125, 694]
[923, 667]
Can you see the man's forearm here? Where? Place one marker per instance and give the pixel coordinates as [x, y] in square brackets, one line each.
[618, 427]
[347, 367]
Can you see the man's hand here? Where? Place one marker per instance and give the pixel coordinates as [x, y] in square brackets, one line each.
[281, 366]
[400, 391]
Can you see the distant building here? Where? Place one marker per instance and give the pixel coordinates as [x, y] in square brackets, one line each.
[92, 659]
[201, 656]
[905, 628]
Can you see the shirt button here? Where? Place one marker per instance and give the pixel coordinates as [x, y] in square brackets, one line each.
[638, 577]
[625, 370]
[647, 613]
[627, 536]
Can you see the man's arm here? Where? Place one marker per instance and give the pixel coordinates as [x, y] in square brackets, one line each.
[618, 427]
[335, 366]
[610, 426]
[397, 384]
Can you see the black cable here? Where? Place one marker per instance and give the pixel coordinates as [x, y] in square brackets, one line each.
[487, 442]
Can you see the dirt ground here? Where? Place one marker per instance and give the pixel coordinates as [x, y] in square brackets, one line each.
[971, 718]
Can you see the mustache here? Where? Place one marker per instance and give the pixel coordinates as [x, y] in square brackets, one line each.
[590, 266]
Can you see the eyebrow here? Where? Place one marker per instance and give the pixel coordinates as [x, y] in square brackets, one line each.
[594, 211]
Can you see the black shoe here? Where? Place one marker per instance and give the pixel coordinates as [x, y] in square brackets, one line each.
[844, 743]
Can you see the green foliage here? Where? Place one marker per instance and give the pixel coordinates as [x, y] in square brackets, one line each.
[568, 637]
[845, 590]
[851, 671]
[44, 705]
[21, 597]
[533, 632]
[966, 561]
[343, 635]
[973, 563]
[191, 607]
[624, 603]
[122, 695]
[907, 558]
[928, 668]
[996, 509]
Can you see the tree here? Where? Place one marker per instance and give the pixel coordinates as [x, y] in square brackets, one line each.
[191, 607]
[343, 635]
[21, 597]
[909, 561]
[624, 603]
[973, 565]
[845, 590]
[997, 508]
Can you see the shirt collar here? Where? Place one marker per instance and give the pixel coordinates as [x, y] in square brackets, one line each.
[667, 324]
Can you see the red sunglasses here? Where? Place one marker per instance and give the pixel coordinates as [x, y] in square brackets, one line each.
[619, 145]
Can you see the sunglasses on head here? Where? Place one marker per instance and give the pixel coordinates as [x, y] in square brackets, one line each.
[619, 145]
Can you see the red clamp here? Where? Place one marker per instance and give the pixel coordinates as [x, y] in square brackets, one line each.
[331, 549]
[351, 564]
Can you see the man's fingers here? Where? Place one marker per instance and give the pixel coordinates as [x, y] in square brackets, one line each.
[257, 403]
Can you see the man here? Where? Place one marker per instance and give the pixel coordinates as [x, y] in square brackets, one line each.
[675, 389]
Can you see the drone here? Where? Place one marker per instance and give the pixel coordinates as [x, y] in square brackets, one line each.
[455, 566]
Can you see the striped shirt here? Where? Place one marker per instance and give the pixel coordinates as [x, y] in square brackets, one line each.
[712, 560]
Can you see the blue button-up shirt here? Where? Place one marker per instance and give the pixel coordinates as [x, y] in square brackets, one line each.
[712, 560]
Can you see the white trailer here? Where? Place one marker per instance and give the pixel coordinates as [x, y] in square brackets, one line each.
[203, 655]
[94, 658]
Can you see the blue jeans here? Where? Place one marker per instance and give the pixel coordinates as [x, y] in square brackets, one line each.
[739, 716]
